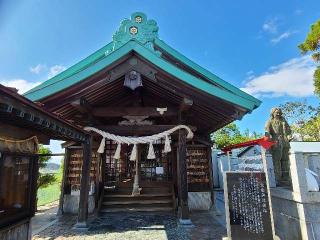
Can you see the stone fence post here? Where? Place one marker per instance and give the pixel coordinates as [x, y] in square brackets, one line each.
[298, 176]
[268, 167]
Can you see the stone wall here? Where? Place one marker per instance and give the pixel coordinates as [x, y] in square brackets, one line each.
[296, 220]
[296, 212]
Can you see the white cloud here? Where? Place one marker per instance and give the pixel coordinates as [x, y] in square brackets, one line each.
[56, 69]
[21, 84]
[37, 69]
[298, 12]
[282, 36]
[250, 73]
[292, 78]
[271, 26]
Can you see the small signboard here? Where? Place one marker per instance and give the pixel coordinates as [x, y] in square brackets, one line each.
[159, 170]
[247, 206]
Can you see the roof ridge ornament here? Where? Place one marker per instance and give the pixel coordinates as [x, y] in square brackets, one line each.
[138, 28]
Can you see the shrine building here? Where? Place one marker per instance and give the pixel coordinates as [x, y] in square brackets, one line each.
[138, 86]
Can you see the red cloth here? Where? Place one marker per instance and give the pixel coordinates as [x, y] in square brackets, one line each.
[264, 142]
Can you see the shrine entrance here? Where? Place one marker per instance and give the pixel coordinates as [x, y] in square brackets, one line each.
[120, 172]
[137, 85]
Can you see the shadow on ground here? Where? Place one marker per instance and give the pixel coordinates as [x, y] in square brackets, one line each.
[136, 226]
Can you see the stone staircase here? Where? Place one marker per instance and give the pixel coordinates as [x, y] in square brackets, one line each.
[151, 199]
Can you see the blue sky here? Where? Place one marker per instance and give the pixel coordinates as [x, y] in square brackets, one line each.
[251, 44]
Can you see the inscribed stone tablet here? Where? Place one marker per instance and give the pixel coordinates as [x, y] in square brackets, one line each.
[247, 203]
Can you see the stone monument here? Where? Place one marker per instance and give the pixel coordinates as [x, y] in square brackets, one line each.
[278, 130]
[247, 206]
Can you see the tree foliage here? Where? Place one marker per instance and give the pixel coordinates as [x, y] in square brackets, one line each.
[231, 134]
[303, 119]
[44, 179]
[312, 44]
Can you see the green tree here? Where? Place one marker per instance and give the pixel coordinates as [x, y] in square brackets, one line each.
[303, 119]
[312, 44]
[44, 179]
[231, 134]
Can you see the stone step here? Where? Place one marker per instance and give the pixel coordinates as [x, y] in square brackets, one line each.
[143, 191]
[137, 201]
[136, 209]
[138, 205]
[147, 195]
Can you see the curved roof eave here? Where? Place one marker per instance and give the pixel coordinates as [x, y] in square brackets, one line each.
[99, 62]
[215, 79]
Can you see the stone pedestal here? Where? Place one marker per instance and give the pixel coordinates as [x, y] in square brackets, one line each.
[199, 201]
[71, 204]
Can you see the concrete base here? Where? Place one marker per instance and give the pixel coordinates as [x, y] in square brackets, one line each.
[71, 204]
[186, 222]
[295, 219]
[219, 207]
[199, 201]
[81, 226]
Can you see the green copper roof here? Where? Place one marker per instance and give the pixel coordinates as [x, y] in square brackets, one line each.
[140, 35]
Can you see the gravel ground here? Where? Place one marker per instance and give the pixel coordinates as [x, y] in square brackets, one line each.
[136, 226]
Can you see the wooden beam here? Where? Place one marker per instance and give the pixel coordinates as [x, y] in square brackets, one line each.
[84, 185]
[14, 132]
[131, 111]
[82, 105]
[186, 104]
[138, 130]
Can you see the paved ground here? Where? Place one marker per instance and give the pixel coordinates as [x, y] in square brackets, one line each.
[136, 227]
[44, 216]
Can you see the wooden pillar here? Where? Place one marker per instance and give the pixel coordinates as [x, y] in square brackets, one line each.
[84, 184]
[211, 183]
[64, 180]
[34, 173]
[103, 170]
[183, 211]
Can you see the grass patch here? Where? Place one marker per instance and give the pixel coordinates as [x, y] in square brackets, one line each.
[51, 193]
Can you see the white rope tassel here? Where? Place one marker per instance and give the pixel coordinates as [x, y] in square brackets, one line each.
[133, 155]
[151, 154]
[190, 134]
[102, 145]
[167, 146]
[117, 152]
[138, 140]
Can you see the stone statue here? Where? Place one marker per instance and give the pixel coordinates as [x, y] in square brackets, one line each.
[278, 129]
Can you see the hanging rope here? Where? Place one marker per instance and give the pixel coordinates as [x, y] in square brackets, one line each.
[138, 140]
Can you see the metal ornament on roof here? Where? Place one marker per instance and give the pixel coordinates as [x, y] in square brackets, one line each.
[138, 28]
[132, 80]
